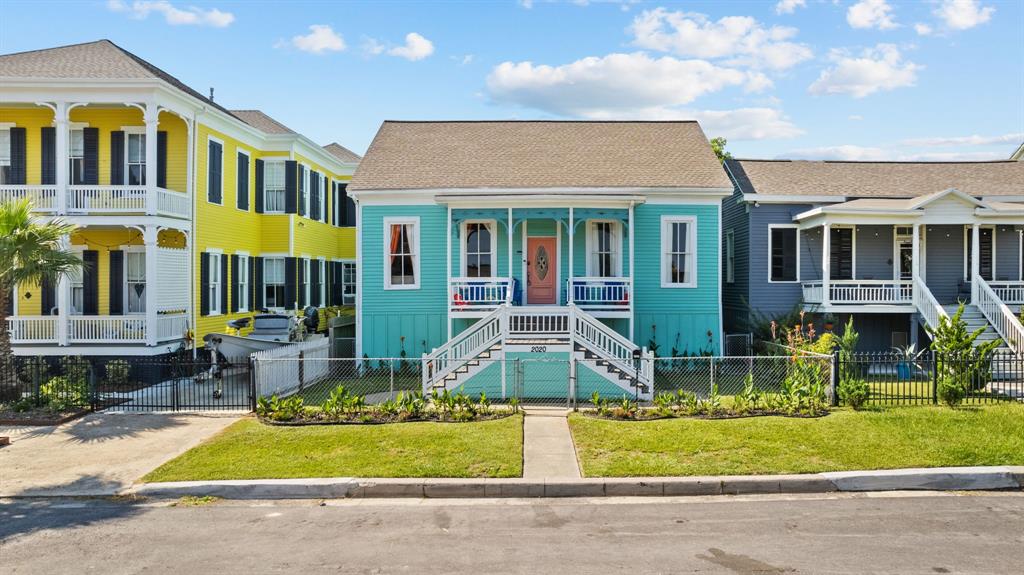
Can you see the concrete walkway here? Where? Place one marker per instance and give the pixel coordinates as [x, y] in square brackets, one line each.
[548, 450]
[99, 454]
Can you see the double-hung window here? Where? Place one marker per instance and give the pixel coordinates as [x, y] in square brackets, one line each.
[216, 284]
[479, 250]
[242, 279]
[783, 253]
[75, 278]
[135, 158]
[402, 249]
[603, 249]
[273, 282]
[76, 157]
[135, 281]
[307, 279]
[322, 282]
[348, 283]
[5, 156]
[273, 187]
[678, 251]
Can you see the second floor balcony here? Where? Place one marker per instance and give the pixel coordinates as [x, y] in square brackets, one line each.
[100, 200]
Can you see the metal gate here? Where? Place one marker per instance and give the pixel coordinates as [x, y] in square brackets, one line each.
[190, 385]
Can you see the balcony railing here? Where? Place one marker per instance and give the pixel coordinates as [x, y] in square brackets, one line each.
[1011, 292]
[129, 329]
[476, 294]
[864, 292]
[94, 200]
[601, 294]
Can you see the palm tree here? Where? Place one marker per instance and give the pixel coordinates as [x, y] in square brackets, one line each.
[30, 249]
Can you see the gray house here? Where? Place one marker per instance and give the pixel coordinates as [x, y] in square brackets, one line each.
[896, 244]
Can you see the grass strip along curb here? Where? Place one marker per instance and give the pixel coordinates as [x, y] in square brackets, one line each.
[953, 478]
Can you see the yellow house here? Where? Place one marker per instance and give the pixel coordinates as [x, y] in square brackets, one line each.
[188, 214]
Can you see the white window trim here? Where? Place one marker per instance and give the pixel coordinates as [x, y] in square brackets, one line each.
[128, 131]
[284, 190]
[591, 245]
[666, 239]
[463, 233]
[243, 281]
[249, 187]
[275, 257]
[305, 190]
[223, 149]
[355, 279]
[307, 277]
[124, 285]
[798, 240]
[415, 222]
[215, 301]
[80, 252]
[853, 249]
[730, 256]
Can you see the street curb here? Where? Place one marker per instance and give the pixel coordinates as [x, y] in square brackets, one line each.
[938, 479]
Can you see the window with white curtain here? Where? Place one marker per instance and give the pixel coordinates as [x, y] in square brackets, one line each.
[678, 239]
[403, 258]
[76, 157]
[242, 273]
[135, 159]
[135, 282]
[216, 284]
[273, 187]
[273, 282]
[603, 249]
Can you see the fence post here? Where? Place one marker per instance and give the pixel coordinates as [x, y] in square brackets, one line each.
[252, 384]
[935, 377]
[302, 370]
[711, 392]
[834, 384]
[93, 399]
[573, 367]
[391, 379]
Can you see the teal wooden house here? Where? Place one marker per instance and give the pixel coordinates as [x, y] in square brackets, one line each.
[480, 241]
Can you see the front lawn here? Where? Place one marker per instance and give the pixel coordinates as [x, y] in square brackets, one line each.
[889, 438]
[252, 450]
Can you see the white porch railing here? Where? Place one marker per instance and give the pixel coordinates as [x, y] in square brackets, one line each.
[1011, 292]
[538, 320]
[864, 292]
[464, 347]
[171, 326]
[598, 293]
[107, 329]
[43, 198]
[926, 304]
[1002, 319]
[474, 294]
[611, 346]
[32, 329]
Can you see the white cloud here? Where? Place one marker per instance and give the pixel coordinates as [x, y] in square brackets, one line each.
[747, 123]
[321, 38]
[880, 68]
[741, 38]
[922, 29]
[844, 152]
[871, 14]
[855, 117]
[463, 60]
[372, 47]
[416, 48]
[141, 9]
[963, 14]
[974, 140]
[789, 6]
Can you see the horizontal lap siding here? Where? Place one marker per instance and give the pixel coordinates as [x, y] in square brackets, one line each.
[874, 248]
[944, 268]
[1007, 253]
[418, 315]
[680, 317]
[735, 295]
[33, 120]
[773, 299]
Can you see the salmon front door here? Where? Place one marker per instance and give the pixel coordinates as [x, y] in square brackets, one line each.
[541, 269]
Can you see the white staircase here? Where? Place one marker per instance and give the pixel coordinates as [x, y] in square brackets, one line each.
[546, 329]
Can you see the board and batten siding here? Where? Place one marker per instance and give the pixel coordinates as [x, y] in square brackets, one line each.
[418, 315]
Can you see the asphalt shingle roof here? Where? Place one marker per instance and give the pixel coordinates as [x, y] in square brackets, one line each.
[342, 153]
[257, 119]
[539, 154]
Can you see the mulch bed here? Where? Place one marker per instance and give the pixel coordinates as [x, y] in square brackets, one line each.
[40, 417]
[319, 418]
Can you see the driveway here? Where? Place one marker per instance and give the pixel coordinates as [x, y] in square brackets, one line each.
[99, 454]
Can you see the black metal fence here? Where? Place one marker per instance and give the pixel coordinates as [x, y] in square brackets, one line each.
[901, 379]
[164, 383]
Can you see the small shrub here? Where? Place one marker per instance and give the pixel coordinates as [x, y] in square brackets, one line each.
[854, 392]
[75, 368]
[62, 393]
[118, 372]
[952, 389]
[279, 409]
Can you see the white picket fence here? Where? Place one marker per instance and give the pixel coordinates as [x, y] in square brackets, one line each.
[283, 371]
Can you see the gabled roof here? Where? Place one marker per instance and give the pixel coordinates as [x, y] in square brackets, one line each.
[343, 154]
[539, 154]
[1019, 154]
[257, 119]
[99, 60]
[909, 206]
[876, 179]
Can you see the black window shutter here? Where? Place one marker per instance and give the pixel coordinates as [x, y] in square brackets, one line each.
[116, 159]
[336, 287]
[214, 160]
[256, 281]
[223, 284]
[350, 207]
[314, 284]
[289, 282]
[234, 283]
[90, 159]
[841, 256]
[116, 282]
[204, 284]
[18, 159]
[90, 282]
[48, 148]
[302, 189]
[243, 182]
[314, 195]
[333, 208]
[291, 189]
[259, 186]
[161, 159]
[47, 297]
[303, 280]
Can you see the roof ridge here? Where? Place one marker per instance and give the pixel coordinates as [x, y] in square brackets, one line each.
[75, 45]
[925, 162]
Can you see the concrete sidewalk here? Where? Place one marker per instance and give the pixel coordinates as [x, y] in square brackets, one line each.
[99, 454]
[548, 450]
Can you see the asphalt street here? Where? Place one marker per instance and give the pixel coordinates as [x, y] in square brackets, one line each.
[890, 533]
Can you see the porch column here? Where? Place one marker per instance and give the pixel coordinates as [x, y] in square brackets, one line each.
[915, 254]
[149, 237]
[510, 268]
[572, 244]
[151, 117]
[448, 280]
[632, 264]
[826, 264]
[63, 298]
[975, 259]
[60, 124]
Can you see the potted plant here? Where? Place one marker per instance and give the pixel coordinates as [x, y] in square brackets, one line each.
[830, 322]
[907, 361]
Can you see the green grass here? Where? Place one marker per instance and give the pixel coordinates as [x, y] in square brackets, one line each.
[249, 449]
[895, 437]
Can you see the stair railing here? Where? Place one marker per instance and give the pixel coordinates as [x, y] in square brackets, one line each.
[999, 315]
[609, 345]
[464, 347]
[927, 305]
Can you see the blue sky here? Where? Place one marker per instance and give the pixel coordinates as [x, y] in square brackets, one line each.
[849, 79]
